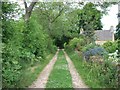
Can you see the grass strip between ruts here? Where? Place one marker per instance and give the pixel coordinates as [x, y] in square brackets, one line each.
[60, 76]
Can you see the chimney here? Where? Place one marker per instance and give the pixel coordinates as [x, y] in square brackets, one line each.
[112, 29]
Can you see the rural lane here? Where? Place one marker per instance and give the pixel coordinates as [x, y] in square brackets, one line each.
[44, 75]
[76, 79]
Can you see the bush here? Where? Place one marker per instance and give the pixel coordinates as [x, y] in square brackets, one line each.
[109, 74]
[12, 44]
[118, 47]
[50, 45]
[94, 52]
[75, 43]
[110, 47]
[24, 45]
[89, 46]
[96, 75]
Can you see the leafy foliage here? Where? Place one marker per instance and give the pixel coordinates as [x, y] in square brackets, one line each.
[88, 46]
[96, 75]
[110, 47]
[90, 15]
[24, 45]
[11, 55]
[58, 20]
[118, 31]
[118, 37]
[89, 20]
[75, 44]
[12, 38]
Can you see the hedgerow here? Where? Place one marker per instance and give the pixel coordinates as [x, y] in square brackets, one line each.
[24, 45]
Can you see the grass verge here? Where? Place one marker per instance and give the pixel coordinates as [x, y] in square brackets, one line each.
[92, 74]
[30, 74]
[83, 71]
[60, 76]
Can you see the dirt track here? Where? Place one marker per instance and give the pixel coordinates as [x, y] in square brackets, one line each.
[43, 77]
[76, 79]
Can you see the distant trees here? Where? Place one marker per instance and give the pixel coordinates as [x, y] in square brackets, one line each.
[90, 20]
[57, 21]
[118, 31]
[117, 35]
[89, 15]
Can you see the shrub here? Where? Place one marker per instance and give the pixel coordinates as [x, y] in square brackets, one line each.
[109, 74]
[110, 47]
[12, 43]
[50, 45]
[24, 45]
[118, 47]
[75, 43]
[89, 46]
[96, 75]
[94, 51]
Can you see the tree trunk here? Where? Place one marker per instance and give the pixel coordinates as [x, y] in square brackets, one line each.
[29, 9]
[27, 16]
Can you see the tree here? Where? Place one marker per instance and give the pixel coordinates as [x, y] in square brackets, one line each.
[28, 10]
[23, 45]
[90, 20]
[50, 11]
[7, 15]
[118, 31]
[118, 37]
[58, 20]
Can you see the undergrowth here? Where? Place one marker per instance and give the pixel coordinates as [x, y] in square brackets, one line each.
[30, 74]
[95, 75]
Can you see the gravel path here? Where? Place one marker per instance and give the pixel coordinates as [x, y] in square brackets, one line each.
[76, 79]
[44, 75]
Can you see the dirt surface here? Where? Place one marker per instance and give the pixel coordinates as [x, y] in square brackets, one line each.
[44, 75]
[76, 79]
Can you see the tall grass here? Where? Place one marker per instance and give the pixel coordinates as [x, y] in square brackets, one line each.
[95, 75]
[31, 73]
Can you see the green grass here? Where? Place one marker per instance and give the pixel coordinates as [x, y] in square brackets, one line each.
[60, 76]
[84, 71]
[30, 74]
[92, 74]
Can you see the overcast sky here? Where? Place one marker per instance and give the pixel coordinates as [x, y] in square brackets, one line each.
[111, 18]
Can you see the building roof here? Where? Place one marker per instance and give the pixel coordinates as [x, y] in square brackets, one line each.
[104, 35]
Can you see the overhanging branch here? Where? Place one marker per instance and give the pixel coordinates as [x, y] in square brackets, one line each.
[60, 12]
[25, 4]
[29, 9]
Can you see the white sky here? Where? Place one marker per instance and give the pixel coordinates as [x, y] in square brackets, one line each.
[110, 19]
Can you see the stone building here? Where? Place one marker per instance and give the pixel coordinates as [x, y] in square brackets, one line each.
[103, 36]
